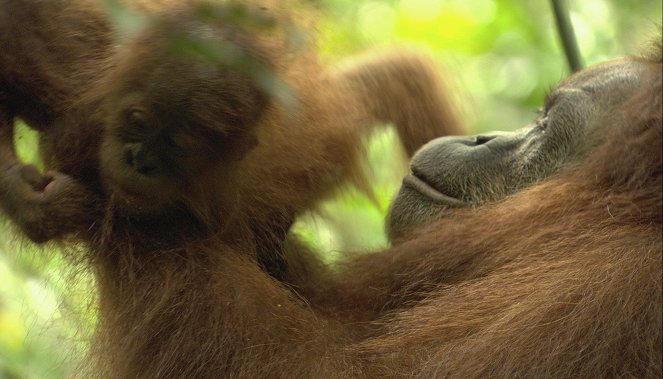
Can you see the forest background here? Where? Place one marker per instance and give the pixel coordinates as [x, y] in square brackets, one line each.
[499, 57]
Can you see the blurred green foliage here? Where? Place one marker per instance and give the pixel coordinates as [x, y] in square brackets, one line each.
[503, 53]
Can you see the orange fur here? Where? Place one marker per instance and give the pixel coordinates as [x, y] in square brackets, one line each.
[565, 279]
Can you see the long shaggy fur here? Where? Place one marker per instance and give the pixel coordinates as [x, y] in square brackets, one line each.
[564, 280]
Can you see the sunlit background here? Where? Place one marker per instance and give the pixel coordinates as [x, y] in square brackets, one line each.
[500, 56]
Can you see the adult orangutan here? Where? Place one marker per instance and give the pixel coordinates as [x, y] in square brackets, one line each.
[535, 253]
[527, 254]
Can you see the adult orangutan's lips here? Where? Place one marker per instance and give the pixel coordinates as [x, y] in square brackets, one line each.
[425, 189]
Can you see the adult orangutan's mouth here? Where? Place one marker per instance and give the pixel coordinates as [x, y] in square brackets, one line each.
[430, 192]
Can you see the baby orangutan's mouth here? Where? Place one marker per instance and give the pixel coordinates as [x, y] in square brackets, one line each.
[130, 200]
[417, 184]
